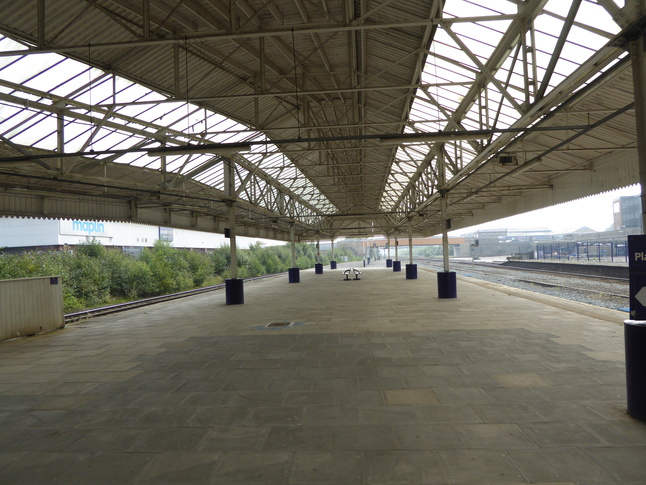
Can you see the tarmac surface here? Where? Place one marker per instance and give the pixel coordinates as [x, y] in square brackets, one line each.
[375, 381]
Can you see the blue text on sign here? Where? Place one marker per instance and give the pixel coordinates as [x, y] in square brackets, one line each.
[88, 227]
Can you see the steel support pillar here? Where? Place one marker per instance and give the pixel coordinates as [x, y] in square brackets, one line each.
[397, 264]
[638, 61]
[294, 272]
[318, 266]
[446, 280]
[411, 269]
[234, 288]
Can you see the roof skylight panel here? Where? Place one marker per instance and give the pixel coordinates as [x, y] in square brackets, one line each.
[7, 44]
[214, 177]
[425, 113]
[24, 134]
[479, 8]
[217, 119]
[14, 124]
[184, 163]
[481, 47]
[414, 152]
[94, 89]
[132, 158]
[98, 90]
[75, 135]
[27, 67]
[208, 178]
[594, 15]
[116, 140]
[69, 80]
[150, 113]
[141, 162]
[446, 52]
[53, 73]
[49, 141]
[168, 114]
[10, 115]
[125, 91]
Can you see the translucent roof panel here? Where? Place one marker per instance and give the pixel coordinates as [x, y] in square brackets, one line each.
[474, 82]
[104, 112]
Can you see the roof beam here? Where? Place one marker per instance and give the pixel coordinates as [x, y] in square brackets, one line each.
[299, 29]
[556, 54]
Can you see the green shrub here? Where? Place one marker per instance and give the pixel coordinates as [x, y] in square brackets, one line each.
[94, 275]
[93, 249]
[89, 280]
[170, 272]
[221, 260]
[200, 266]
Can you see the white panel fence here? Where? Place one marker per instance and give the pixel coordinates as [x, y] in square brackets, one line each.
[29, 306]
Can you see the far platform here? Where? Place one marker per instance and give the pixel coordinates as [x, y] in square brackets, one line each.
[375, 381]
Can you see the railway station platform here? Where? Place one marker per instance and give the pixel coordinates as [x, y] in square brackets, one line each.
[375, 381]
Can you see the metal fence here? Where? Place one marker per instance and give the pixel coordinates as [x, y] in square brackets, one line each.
[584, 251]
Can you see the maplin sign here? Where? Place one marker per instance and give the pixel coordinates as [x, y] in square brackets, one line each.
[89, 227]
[83, 228]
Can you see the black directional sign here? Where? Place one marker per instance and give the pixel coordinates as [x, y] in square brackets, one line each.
[637, 274]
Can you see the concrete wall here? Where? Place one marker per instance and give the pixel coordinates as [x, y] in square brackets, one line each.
[30, 305]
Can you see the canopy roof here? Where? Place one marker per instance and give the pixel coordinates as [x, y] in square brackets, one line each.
[333, 118]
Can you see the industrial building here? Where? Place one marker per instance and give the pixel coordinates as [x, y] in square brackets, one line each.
[627, 214]
[21, 234]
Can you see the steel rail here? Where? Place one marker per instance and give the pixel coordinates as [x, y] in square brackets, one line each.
[572, 288]
[532, 270]
[120, 307]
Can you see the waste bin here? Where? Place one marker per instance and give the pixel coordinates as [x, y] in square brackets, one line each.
[234, 291]
[411, 271]
[294, 275]
[446, 285]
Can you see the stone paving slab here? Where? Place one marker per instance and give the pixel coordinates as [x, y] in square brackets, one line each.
[377, 381]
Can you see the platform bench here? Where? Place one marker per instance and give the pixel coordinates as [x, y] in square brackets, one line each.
[347, 273]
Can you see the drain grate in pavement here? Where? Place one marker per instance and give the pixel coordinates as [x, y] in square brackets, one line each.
[279, 324]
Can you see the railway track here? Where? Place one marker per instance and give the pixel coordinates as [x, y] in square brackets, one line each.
[604, 291]
[528, 270]
[107, 310]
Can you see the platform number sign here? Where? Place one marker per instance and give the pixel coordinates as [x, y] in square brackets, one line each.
[637, 275]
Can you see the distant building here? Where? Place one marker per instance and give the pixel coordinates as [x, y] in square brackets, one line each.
[530, 234]
[584, 230]
[23, 234]
[627, 213]
[491, 233]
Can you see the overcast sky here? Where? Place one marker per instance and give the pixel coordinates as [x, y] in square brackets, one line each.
[594, 212]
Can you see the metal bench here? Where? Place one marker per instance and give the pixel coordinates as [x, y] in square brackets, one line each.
[347, 273]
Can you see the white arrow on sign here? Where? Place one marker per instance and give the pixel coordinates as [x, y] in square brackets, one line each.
[641, 296]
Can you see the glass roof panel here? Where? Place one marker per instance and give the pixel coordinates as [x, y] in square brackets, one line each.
[460, 50]
[139, 115]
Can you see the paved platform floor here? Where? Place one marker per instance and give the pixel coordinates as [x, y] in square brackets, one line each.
[376, 381]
